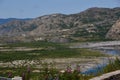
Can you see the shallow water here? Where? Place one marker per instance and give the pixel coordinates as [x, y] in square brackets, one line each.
[97, 69]
[113, 52]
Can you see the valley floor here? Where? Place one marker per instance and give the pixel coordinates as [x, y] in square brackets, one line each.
[61, 63]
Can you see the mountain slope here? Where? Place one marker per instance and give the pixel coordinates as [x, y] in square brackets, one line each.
[91, 24]
[114, 32]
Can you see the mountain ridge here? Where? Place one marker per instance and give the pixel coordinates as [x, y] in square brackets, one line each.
[91, 24]
[5, 20]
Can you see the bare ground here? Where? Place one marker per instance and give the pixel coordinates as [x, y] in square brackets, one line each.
[60, 63]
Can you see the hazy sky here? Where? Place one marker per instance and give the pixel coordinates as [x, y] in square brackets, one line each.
[36, 8]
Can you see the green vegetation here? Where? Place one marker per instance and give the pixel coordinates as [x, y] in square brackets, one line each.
[97, 34]
[31, 44]
[30, 28]
[47, 50]
[112, 66]
[27, 73]
[42, 50]
[52, 73]
[57, 53]
[45, 72]
[66, 26]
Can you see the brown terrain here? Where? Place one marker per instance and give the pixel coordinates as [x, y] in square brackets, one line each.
[91, 24]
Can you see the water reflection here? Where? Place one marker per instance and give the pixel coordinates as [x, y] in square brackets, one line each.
[113, 52]
[97, 69]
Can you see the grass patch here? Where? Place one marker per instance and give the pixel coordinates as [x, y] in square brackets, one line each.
[32, 44]
[46, 73]
[112, 66]
[56, 53]
[49, 50]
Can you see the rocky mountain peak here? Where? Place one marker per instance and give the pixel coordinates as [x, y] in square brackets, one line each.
[114, 32]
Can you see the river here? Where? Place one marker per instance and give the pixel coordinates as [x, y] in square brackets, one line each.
[98, 68]
[108, 47]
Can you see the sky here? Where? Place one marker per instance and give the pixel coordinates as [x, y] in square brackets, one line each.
[36, 8]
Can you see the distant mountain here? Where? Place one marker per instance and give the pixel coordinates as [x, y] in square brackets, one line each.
[91, 24]
[3, 21]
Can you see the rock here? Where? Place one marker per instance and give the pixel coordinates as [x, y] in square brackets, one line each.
[114, 32]
[17, 78]
[115, 75]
